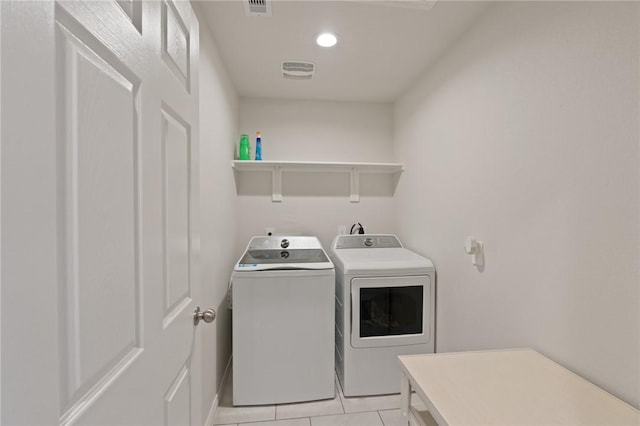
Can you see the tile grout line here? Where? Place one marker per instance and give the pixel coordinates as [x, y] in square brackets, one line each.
[310, 417]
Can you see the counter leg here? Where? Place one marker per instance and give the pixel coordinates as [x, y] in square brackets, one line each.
[405, 397]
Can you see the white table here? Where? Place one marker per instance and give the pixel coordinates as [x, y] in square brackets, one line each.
[507, 387]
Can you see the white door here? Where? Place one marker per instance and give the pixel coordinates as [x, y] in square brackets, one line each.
[99, 254]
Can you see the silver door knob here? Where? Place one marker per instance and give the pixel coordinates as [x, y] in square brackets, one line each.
[207, 316]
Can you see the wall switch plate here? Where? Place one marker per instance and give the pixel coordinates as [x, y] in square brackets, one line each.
[342, 230]
[269, 231]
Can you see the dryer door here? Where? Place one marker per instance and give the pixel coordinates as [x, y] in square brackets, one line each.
[391, 311]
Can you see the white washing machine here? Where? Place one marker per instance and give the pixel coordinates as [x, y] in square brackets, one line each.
[283, 322]
[385, 307]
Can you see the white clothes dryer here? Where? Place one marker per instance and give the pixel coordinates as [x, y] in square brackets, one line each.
[385, 307]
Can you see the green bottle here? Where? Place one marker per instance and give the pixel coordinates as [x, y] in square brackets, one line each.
[245, 149]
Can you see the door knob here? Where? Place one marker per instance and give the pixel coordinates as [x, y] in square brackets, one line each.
[207, 316]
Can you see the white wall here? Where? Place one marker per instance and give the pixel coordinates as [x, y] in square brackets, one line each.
[218, 129]
[525, 135]
[315, 204]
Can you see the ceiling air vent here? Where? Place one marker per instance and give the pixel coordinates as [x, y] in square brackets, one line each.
[410, 4]
[257, 7]
[298, 70]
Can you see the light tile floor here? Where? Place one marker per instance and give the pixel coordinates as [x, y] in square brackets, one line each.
[340, 411]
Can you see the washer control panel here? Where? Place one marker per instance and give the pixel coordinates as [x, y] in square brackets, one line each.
[289, 242]
[367, 241]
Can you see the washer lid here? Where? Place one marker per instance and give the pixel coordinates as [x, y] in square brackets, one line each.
[284, 256]
[277, 252]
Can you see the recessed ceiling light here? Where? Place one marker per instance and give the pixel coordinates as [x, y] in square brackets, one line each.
[326, 40]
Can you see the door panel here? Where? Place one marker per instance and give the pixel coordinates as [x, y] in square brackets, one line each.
[101, 132]
[178, 399]
[176, 161]
[175, 43]
[100, 241]
[133, 9]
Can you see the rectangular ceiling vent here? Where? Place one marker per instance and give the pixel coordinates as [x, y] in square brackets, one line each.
[298, 70]
[257, 7]
[424, 5]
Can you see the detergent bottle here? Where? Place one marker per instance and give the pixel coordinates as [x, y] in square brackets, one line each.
[245, 151]
[258, 145]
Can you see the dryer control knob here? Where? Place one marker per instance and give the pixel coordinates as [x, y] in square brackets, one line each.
[368, 242]
[284, 243]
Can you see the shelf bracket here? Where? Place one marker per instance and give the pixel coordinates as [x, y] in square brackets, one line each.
[355, 185]
[276, 184]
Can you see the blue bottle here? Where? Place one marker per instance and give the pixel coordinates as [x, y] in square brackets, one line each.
[258, 145]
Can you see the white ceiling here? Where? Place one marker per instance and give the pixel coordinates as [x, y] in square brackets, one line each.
[382, 47]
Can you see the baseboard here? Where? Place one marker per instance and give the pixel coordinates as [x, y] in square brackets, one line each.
[214, 407]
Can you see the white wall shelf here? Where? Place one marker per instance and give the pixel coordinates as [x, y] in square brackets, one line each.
[278, 167]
